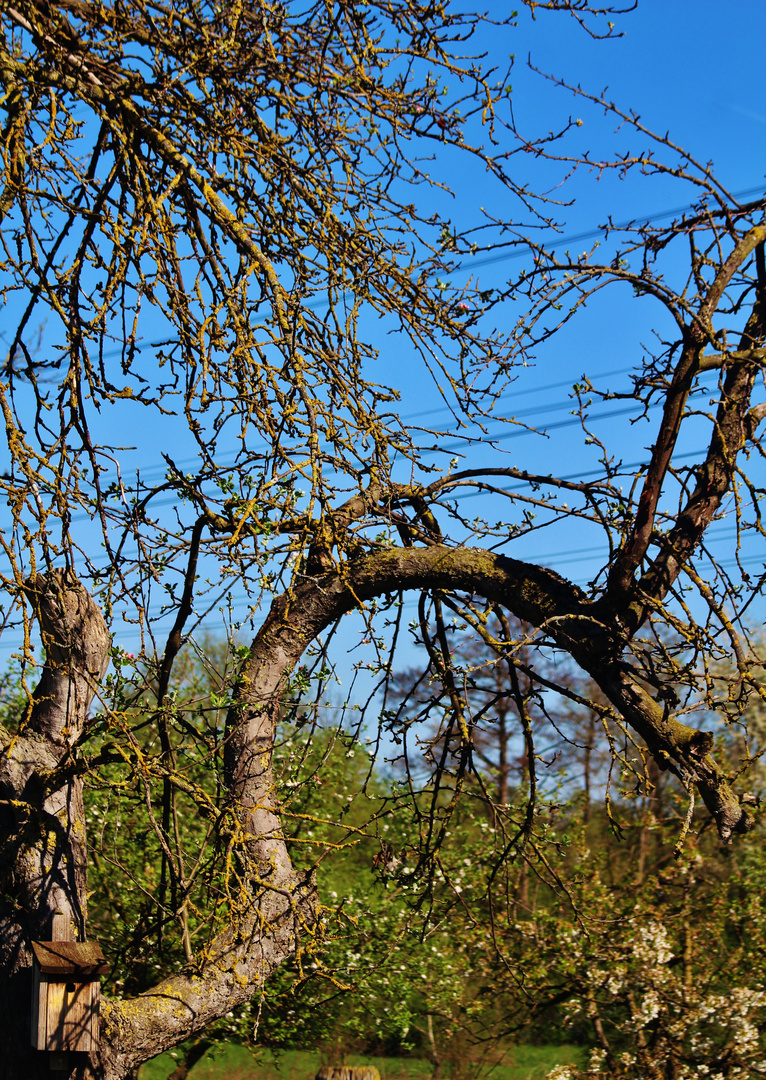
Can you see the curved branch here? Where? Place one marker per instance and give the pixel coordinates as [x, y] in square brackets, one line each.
[265, 927]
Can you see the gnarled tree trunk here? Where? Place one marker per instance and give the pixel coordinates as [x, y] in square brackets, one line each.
[44, 854]
[44, 864]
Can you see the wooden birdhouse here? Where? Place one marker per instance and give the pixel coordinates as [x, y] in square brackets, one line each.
[67, 991]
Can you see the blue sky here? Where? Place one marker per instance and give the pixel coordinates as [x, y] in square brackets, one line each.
[693, 70]
[687, 69]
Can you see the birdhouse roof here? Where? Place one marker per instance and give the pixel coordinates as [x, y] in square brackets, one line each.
[65, 958]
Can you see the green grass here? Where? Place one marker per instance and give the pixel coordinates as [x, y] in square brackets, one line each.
[535, 1062]
[237, 1063]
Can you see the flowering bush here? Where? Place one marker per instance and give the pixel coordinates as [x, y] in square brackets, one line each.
[670, 978]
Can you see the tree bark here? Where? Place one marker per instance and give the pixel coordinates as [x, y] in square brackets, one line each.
[43, 860]
[45, 842]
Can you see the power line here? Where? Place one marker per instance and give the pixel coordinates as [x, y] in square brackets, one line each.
[594, 234]
[518, 252]
[571, 421]
[513, 392]
[578, 476]
[230, 458]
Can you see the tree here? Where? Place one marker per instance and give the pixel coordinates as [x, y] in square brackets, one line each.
[203, 209]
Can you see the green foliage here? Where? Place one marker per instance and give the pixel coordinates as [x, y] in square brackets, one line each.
[154, 903]
[570, 931]
[14, 698]
[668, 978]
[652, 960]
